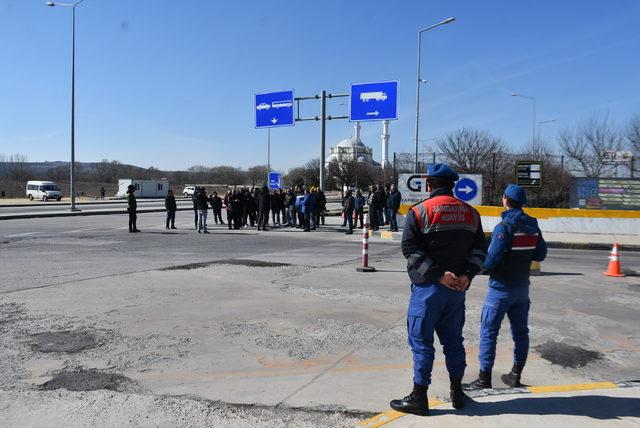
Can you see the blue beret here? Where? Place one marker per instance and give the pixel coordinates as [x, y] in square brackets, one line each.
[517, 193]
[443, 171]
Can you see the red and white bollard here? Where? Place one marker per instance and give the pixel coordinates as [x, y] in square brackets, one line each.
[365, 248]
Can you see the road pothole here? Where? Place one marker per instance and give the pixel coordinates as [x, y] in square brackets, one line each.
[567, 356]
[69, 342]
[235, 262]
[91, 380]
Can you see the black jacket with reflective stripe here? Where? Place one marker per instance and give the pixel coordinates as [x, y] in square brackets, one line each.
[442, 234]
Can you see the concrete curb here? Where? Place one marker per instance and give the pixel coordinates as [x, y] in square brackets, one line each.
[397, 236]
[391, 415]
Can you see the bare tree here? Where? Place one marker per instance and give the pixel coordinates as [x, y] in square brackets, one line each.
[632, 134]
[632, 137]
[257, 174]
[586, 143]
[470, 150]
[312, 172]
[15, 167]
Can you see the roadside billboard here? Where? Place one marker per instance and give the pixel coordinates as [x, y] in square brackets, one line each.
[605, 193]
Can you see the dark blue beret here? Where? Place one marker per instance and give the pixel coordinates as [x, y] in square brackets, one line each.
[442, 171]
[517, 193]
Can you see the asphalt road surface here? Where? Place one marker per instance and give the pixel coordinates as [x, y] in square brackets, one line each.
[273, 325]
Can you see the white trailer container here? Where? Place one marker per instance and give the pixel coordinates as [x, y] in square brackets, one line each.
[144, 188]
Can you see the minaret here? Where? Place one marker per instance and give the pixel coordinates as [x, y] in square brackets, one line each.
[385, 144]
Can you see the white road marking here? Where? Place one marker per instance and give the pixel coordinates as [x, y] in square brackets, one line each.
[20, 234]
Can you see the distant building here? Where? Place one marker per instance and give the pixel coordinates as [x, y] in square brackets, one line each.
[144, 188]
[351, 149]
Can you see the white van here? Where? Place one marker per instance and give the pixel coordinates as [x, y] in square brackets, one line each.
[44, 190]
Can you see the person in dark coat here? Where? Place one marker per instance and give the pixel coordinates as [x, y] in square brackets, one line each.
[392, 206]
[171, 207]
[264, 205]
[372, 202]
[216, 206]
[195, 206]
[202, 204]
[132, 206]
[358, 213]
[102, 192]
[276, 207]
[236, 209]
[250, 208]
[321, 207]
[348, 205]
[227, 205]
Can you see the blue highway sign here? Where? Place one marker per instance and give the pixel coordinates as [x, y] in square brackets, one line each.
[466, 189]
[274, 109]
[275, 180]
[373, 101]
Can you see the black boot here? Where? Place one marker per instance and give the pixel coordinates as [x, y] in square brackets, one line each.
[457, 395]
[512, 378]
[483, 381]
[414, 403]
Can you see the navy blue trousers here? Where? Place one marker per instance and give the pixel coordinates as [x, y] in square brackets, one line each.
[513, 302]
[436, 308]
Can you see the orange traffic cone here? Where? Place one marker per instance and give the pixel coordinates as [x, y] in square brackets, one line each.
[614, 263]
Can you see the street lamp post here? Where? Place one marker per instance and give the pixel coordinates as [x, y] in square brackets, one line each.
[419, 79]
[542, 123]
[533, 101]
[72, 173]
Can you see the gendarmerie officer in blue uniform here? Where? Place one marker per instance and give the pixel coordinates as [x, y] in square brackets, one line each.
[445, 248]
[515, 242]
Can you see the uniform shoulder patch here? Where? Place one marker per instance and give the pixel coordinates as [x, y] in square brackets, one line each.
[500, 236]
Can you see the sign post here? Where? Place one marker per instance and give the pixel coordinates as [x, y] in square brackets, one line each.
[529, 173]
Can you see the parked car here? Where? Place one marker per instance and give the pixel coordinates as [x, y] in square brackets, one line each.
[44, 190]
[188, 191]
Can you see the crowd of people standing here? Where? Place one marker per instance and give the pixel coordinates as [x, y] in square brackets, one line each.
[297, 207]
[383, 203]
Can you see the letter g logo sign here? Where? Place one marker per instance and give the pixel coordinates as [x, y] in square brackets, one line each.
[417, 183]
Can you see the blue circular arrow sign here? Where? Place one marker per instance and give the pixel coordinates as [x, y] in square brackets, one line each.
[466, 189]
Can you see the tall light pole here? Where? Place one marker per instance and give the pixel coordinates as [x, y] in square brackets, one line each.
[72, 174]
[419, 80]
[542, 123]
[533, 100]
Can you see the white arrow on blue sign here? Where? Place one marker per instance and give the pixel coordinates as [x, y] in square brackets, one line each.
[275, 180]
[274, 109]
[469, 189]
[373, 101]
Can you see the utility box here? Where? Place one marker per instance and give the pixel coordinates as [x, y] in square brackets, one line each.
[144, 188]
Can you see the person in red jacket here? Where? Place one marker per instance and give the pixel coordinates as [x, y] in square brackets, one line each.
[445, 248]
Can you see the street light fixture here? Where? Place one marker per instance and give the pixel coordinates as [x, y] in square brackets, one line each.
[420, 80]
[542, 123]
[72, 174]
[533, 100]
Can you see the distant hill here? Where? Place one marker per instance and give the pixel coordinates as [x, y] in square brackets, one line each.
[42, 168]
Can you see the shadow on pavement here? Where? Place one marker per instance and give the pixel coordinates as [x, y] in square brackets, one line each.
[593, 406]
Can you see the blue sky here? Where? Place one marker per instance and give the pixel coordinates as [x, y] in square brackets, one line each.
[170, 83]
